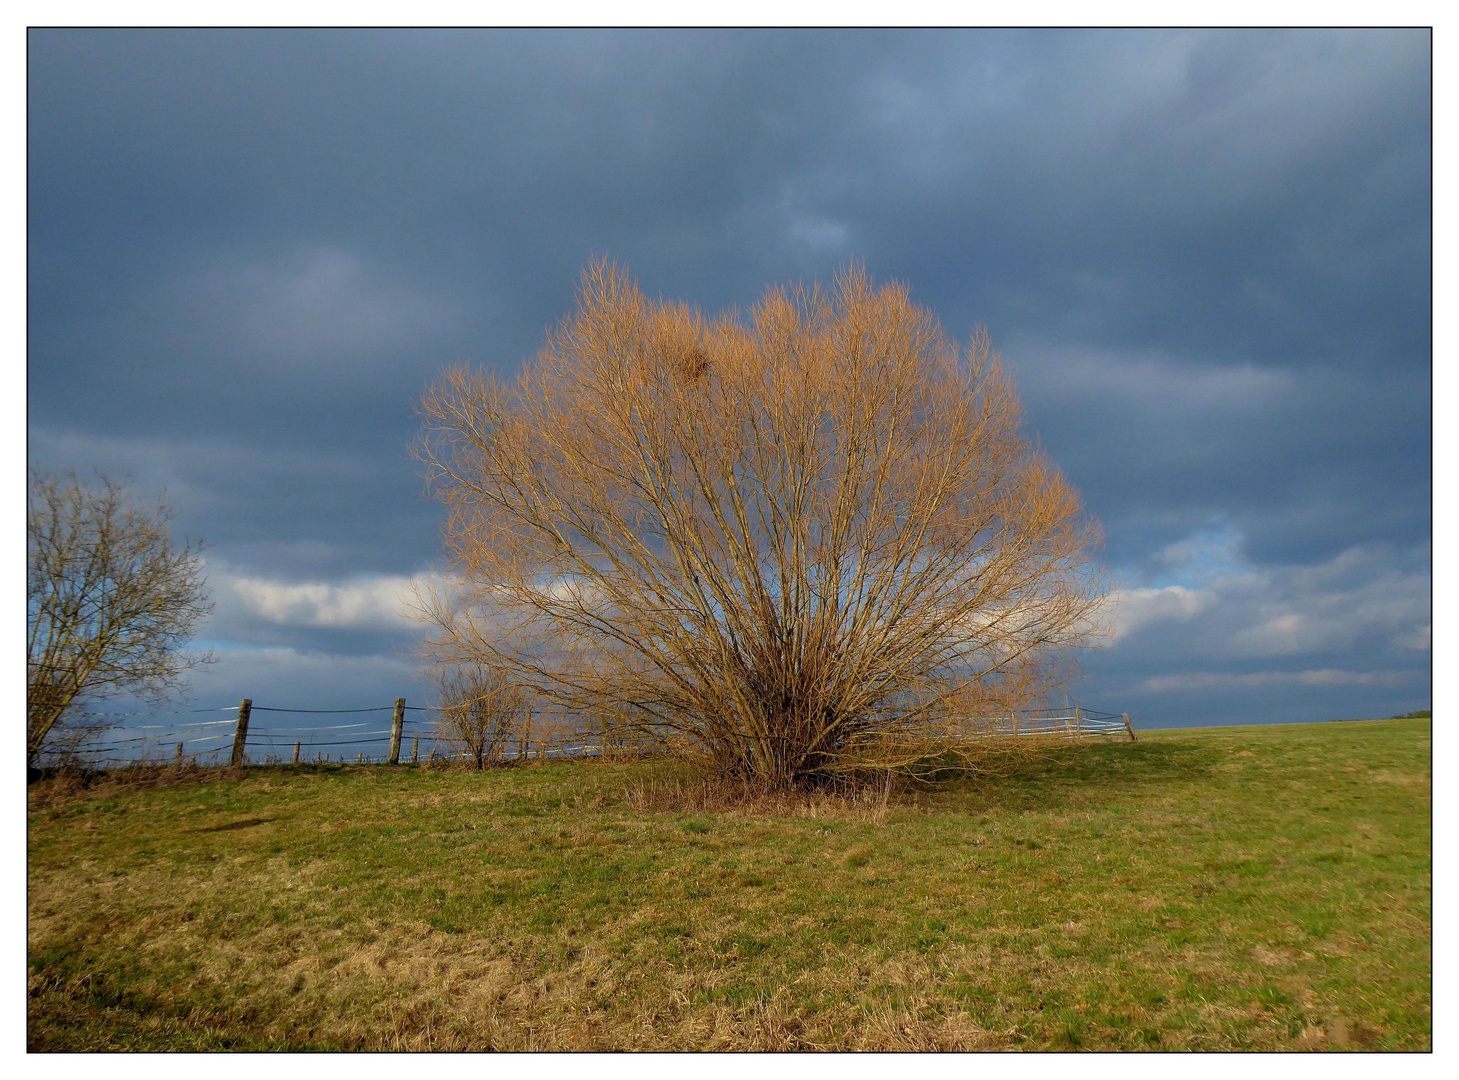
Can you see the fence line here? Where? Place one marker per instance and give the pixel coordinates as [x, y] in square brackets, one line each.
[179, 744]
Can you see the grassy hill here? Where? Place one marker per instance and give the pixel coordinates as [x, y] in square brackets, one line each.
[1207, 889]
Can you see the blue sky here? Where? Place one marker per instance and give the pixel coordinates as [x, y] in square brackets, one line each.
[1205, 257]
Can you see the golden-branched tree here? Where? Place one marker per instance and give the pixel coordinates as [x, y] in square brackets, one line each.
[111, 602]
[795, 544]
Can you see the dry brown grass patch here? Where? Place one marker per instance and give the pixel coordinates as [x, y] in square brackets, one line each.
[713, 795]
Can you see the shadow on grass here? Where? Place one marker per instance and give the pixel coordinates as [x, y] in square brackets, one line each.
[1099, 772]
[246, 823]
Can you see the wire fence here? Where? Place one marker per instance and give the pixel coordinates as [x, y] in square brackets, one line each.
[410, 734]
[243, 737]
[286, 734]
[1072, 721]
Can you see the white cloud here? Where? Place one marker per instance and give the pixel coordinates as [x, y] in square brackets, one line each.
[1229, 609]
[375, 603]
[371, 603]
[1127, 609]
[1302, 610]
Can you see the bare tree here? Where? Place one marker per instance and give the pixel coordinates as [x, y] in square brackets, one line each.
[482, 710]
[794, 545]
[111, 602]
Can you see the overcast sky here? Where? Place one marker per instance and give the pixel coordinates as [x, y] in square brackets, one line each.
[1204, 256]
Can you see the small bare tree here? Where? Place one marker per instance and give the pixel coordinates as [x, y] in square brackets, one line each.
[796, 546]
[110, 601]
[482, 708]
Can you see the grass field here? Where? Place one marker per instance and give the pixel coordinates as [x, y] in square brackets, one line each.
[1209, 889]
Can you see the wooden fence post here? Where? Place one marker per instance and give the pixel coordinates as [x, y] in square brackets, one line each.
[179, 755]
[296, 753]
[415, 750]
[240, 736]
[1078, 721]
[1129, 727]
[397, 722]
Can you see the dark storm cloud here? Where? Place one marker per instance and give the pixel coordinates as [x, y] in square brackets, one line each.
[1204, 255]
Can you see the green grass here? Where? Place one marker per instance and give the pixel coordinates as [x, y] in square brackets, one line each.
[1238, 888]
